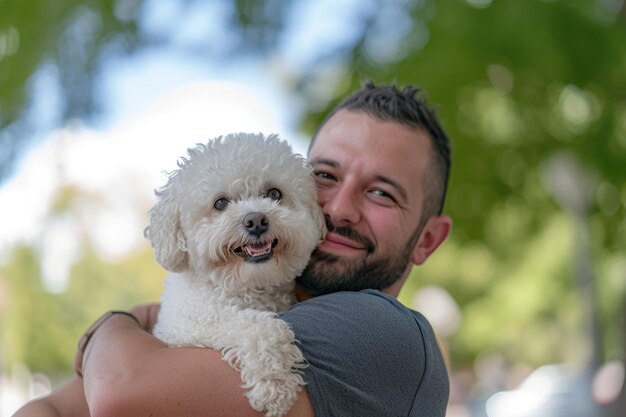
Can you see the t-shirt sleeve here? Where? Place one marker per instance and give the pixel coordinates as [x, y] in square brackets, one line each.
[368, 355]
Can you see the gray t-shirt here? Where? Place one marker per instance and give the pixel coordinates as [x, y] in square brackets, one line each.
[369, 355]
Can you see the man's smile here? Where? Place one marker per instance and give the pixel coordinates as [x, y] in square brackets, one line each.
[341, 245]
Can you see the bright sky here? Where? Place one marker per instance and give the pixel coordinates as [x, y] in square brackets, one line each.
[157, 104]
[120, 165]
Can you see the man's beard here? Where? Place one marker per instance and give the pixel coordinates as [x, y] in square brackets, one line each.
[328, 273]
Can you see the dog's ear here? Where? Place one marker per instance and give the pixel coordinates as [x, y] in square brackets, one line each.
[166, 235]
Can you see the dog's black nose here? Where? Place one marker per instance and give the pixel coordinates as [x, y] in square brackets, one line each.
[256, 223]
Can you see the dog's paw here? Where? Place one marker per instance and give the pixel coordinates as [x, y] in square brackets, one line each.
[273, 376]
[275, 397]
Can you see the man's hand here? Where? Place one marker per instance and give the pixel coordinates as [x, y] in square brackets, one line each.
[145, 315]
[66, 401]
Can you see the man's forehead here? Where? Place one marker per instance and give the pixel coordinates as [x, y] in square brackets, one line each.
[363, 135]
[379, 150]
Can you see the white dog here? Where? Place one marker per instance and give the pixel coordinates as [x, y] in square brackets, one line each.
[237, 224]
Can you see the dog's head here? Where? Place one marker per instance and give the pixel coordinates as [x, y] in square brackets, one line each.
[241, 206]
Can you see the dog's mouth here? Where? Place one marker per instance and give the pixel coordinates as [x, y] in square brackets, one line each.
[256, 252]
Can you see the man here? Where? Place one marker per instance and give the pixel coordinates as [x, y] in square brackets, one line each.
[381, 163]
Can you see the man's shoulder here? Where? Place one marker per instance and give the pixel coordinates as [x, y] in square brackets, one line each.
[355, 313]
[369, 302]
[353, 298]
[371, 350]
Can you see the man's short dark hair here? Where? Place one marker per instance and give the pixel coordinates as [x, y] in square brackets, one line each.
[409, 108]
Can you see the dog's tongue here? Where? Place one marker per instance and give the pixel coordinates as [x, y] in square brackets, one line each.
[257, 250]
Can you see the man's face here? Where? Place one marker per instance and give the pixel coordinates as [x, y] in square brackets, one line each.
[369, 177]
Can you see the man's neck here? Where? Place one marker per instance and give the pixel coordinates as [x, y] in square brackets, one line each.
[301, 295]
[393, 290]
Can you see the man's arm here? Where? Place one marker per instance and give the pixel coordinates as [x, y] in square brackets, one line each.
[129, 372]
[67, 401]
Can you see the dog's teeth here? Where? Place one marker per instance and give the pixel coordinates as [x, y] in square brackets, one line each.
[260, 250]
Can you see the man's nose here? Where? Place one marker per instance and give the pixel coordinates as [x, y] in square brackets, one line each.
[342, 206]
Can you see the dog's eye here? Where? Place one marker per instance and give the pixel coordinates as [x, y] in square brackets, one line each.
[274, 194]
[221, 204]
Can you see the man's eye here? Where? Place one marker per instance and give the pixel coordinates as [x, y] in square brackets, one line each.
[274, 194]
[324, 175]
[221, 204]
[383, 194]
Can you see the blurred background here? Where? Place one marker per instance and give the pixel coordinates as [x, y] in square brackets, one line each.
[98, 98]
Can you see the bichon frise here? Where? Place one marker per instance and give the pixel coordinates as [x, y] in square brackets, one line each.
[236, 224]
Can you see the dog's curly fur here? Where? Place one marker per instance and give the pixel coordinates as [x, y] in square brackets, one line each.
[236, 224]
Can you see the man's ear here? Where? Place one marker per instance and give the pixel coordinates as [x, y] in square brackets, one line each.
[435, 232]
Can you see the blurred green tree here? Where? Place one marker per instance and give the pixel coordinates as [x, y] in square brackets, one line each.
[516, 84]
[41, 329]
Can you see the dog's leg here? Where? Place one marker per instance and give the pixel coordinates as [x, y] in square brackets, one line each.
[267, 359]
[256, 343]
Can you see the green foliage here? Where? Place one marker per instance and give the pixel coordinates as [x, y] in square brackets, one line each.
[506, 301]
[71, 41]
[26, 303]
[514, 81]
[67, 38]
[41, 329]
